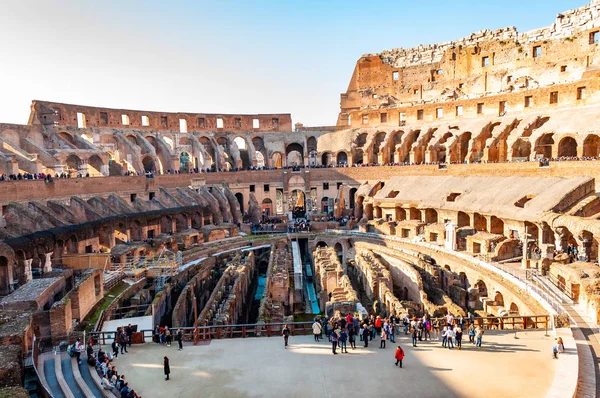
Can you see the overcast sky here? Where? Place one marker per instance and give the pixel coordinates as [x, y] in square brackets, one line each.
[223, 56]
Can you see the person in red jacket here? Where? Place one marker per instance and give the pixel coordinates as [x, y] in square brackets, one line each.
[399, 356]
[378, 325]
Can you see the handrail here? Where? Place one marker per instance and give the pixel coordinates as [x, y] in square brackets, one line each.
[35, 354]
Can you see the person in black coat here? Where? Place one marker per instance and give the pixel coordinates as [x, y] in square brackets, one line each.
[167, 368]
[366, 335]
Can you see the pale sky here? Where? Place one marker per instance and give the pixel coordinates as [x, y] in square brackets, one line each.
[223, 56]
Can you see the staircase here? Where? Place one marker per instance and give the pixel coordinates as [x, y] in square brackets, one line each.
[63, 377]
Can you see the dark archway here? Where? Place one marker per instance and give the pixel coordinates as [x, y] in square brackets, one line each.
[149, 164]
[591, 146]
[240, 197]
[567, 147]
[342, 158]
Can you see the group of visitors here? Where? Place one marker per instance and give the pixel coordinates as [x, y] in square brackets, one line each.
[299, 225]
[164, 336]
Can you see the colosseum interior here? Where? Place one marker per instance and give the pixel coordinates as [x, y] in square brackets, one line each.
[459, 178]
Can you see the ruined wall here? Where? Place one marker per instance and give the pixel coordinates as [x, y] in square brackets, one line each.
[276, 296]
[333, 289]
[86, 294]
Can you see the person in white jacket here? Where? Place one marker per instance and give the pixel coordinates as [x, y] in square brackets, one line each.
[316, 328]
[450, 338]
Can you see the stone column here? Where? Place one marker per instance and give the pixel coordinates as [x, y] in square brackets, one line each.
[28, 273]
[48, 263]
[450, 242]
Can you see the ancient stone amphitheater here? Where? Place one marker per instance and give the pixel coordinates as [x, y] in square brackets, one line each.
[460, 178]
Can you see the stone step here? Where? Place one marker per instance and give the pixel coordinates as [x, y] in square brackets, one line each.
[60, 377]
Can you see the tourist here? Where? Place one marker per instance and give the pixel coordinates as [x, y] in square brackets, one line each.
[179, 338]
[450, 320]
[78, 350]
[478, 336]
[450, 338]
[123, 341]
[555, 350]
[471, 332]
[334, 340]
[168, 338]
[371, 328]
[120, 383]
[286, 335]
[157, 334]
[106, 384]
[115, 348]
[383, 338]
[360, 332]
[427, 329]
[378, 325]
[458, 337]
[414, 336]
[317, 329]
[125, 390]
[129, 334]
[399, 356]
[342, 340]
[166, 368]
[561, 345]
[461, 322]
[444, 336]
[420, 328]
[351, 336]
[436, 328]
[406, 323]
[365, 335]
[389, 330]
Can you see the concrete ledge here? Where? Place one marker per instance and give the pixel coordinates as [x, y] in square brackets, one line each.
[98, 381]
[80, 382]
[61, 378]
[567, 373]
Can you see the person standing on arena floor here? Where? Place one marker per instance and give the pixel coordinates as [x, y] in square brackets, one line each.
[316, 328]
[334, 340]
[286, 335]
[399, 355]
[166, 368]
[365, 335]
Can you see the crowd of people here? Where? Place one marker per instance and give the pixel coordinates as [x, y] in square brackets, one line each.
[347, 330]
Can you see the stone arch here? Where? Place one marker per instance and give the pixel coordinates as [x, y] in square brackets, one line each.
[377, 142]
[72, 245]
[267, 207]
[294, 153]
[514, 309]
[499, 299]
[149, 164]
[210, 151]
[240, 198]
[298, 203]
[543, 146]
[114, 168]
[591, 146]
[242, 146]
[259, 146]
[481, 287]
[68, 137]
[567, 147]
[462, 277]
[342, 158]
[321, 244]
[74, 163]
[431, 216]
[460, 148]
[358, 156]
[276, 161]
[97, 164]
[326, 158]
[181, 222]
[521, 149]
[463, 219]
[339, 249]
[496, 225]
[479, 222]
[325, 205]
[352, 198]
[135, 230]
[166, 224]
[5, 279]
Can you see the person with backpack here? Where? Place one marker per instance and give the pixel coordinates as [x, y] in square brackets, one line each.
[414, 336]
[334, 340]
[399, 356]
[286, 334]
[471, 332]
[427, 329]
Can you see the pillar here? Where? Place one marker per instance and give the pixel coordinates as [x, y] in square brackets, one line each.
[48, 263]
[28, 273]
[450, 242]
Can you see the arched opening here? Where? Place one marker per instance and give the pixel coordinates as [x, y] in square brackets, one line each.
[311, 148]
[463, 219]
[240, 198]
[339, 250]
[567, 147]
[521, 150]
[185, 162]
[481, 288]
[74, 164]
[325, 205]
[166, 225]
[243, 148]
[4, 276]
[379, 138]
[96, 165]
[514, 309]
[431, 216]
[499, 299]
[294, 154]
[369, 211]
[181, 222]
[591, 146]
[352, 197]
[72, 245]
[210, 152]
[149, 164]
[462, 277]
[267, 207]
[461, 148]
[496, 226]
[342, 158]
[260, 159]
[276, 160]
[479, 222]
[298, 200]
[68, 138]
[321, 244]
[326, 158]
[114, 168]
[544, 146]
[135, 230]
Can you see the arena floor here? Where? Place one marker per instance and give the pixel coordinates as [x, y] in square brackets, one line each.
[261, 367]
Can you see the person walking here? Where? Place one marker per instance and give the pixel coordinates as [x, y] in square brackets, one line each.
[365, 335]
[399, 355]
[471, 332]
[450, 338]
[478, 336]
[129, 334]
[383, 338]
[166, 368]
[378, 325]
[352, 337]
[316, 328]
[179, 338]
[342, 341]
[286, 335]
[115, 348]
[78, 350]
[334, 340]
[414, 336]
[444, 336]
[458, 337]
[123, 341]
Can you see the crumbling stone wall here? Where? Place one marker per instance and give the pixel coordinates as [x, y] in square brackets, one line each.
[333, 288]
[276, 297]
